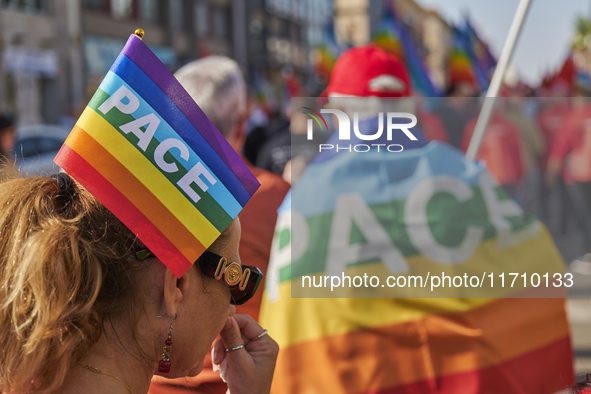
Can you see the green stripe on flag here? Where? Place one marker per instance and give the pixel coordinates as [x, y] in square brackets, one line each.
[448, 221]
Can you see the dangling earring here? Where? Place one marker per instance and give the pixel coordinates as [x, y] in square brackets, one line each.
[164, 364]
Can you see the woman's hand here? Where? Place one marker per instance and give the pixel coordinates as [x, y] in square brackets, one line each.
[248, 370]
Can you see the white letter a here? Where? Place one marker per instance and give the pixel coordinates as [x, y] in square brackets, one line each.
[351, 208]
[144, 136]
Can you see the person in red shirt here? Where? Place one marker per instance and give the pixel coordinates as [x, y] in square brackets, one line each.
[217, 86]
[571, 149]
[550, 119]
[502, 152]
[571, 155]
[432, 126]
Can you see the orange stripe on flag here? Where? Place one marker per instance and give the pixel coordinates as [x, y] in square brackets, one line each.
[136, 192]
[121, 207]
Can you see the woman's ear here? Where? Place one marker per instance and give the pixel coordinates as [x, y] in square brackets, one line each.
[172, 293]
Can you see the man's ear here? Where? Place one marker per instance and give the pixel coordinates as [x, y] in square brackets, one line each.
[241, 134]
[238, 136]
[172, 293]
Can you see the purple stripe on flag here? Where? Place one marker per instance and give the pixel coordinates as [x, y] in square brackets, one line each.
[141, 55]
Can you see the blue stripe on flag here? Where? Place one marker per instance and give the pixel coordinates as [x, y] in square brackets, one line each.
[153, 95]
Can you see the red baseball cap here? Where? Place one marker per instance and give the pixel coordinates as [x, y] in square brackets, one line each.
[368, 71]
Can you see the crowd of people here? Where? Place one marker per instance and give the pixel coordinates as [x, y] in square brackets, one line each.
[84, 310]
[536, 147]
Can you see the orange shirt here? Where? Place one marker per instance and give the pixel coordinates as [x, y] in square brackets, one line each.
[257, 220]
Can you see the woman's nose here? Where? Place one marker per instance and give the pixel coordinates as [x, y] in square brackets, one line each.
[231, 310]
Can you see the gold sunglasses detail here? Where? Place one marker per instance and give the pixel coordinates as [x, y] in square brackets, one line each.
[232, 273]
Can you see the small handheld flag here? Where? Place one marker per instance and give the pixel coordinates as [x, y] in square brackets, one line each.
[392, 36]
[463, 65]
[146, 151]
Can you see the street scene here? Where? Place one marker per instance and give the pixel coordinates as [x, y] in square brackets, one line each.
[321, 196]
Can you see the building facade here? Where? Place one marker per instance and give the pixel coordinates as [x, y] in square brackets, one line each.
[31, 81]
[54, 53]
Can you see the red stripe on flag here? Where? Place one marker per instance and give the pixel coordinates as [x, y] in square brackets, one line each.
[121, 207]
[543, 371]
[136, 192]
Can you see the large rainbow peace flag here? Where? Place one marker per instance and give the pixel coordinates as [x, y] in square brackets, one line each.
[146, 150]
[422, 209]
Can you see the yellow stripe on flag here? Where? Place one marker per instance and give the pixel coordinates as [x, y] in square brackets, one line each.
[351, 314]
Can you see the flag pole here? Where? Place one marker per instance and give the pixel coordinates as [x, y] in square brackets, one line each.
[497, 79]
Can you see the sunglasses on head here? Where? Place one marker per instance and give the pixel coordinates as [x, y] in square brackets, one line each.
[243, 280]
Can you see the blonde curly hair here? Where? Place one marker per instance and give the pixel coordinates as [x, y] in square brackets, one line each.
[66, 269]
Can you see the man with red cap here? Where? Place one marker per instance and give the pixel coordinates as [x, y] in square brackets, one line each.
[359, 73]
[368, 71]
[369, 80]
[381, 74]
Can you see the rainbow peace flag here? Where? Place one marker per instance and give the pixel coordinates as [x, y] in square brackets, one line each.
[484, 57]
[146, 151]
[463, 65]
[326, 52]
[423, 209]
[324, 61]
[393, 37]
[386, 39]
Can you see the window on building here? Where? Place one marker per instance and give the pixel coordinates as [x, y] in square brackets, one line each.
[181, 15]
[300, 35]
[150, 10]
[176, 9]
[50, 110]
[303, 8]
[201, 19]
[10, 84]
[220, 23]
[187, 20]
[36, 6]
[121, 9]
[95, 4]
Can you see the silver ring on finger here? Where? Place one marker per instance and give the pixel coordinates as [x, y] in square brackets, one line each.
[232, 349]
[262, 334]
